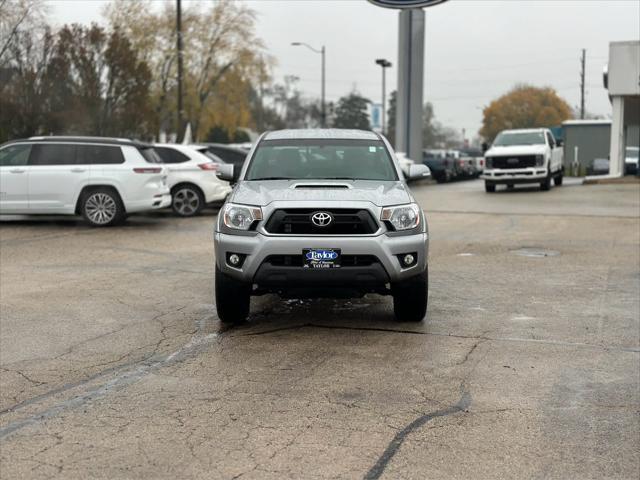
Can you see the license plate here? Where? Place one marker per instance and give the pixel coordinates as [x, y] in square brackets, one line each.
[321, 258]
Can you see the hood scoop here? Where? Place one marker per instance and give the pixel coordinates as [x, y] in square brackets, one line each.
[321, 186]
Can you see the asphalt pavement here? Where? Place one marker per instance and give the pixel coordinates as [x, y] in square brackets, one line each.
[113, 363]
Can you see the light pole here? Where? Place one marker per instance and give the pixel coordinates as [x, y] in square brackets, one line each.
[384, 64]
[323, 113]
[179, 48]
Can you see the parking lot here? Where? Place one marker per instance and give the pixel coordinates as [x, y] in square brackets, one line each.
[114, 364]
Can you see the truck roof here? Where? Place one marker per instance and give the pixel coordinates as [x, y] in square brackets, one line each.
[525, 130]
[321, 133]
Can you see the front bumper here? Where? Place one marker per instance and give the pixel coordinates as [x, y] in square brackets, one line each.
[384, 247]
[516, 175]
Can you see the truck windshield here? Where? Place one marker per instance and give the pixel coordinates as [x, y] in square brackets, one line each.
[321, 159]
[506, 139]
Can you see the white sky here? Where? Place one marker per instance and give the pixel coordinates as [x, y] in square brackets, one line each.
[475, 49]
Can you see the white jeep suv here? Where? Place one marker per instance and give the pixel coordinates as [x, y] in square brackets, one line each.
[102, 179]
[192, 178]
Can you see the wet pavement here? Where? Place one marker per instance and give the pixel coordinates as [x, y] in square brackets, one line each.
[113, 363]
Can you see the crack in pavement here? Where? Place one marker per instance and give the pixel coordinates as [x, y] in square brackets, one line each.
[377, 470]
[435, 334]
[108, 371]
[462, 405]
[127, 377]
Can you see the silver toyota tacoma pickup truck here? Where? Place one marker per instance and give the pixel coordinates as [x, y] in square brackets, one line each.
[321, 213]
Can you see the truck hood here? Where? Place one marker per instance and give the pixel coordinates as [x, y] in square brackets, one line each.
[516, 150]
[263, 193]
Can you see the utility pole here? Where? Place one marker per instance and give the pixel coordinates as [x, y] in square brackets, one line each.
[322, 52]
[261, 93]
[582, 62]
[179, 47]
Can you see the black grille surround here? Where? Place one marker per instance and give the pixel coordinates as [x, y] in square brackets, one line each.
[345, 221]
[513, 161]
[345, 260]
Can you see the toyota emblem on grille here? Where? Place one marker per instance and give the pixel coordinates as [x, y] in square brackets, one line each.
[321, 219]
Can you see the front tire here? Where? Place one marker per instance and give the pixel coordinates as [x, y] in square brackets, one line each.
[545, 185]
[102, 207]
[489, 187]
[232, 298]
[410, 298]
[557, 180]
[187, 200]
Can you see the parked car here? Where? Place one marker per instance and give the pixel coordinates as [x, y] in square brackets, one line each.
[631, 161]
[464, 166]
[442, 167]
[102, 179]
[476, 159]
[523, 156]
[191, 178]
[233, 155]
[321, 213]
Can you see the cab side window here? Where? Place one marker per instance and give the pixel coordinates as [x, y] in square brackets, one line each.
[15, 155]
[53, 154]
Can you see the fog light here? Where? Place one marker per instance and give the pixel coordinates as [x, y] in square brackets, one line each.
[234, 259]
[408, 259]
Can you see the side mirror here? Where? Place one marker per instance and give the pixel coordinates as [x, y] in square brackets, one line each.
[417, 171]
[225, 172]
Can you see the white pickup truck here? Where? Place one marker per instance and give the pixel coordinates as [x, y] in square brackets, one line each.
[523, 156]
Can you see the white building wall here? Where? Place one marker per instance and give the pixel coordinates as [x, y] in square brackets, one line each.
[623, 85]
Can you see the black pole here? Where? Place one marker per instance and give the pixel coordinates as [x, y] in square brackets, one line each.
[324, 112]
[582, 62]
[384, 64]
[384, 91]
[179, 47]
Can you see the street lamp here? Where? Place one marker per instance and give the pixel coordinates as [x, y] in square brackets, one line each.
[384, 64]
[323, 114]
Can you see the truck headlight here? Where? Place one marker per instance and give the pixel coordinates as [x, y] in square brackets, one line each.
[539, 160]
[488, 162]
[240, 217]
[402, 217]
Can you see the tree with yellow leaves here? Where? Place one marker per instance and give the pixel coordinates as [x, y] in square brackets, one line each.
[524, 106]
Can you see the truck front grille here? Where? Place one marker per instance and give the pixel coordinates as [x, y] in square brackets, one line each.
[519, 161]
[298, 221]
[345, 260]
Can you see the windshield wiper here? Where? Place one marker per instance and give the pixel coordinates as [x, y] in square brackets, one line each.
[336, 178]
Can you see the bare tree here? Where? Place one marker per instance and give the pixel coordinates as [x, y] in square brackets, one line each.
[16, 15]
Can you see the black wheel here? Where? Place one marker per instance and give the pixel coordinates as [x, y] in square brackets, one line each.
[510, 186]
[410, 298]
[545, 185]
[557, 180]
[232, 298]
[186, 200]
[489, 187]
[102, 207]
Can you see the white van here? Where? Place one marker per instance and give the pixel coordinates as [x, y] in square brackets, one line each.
[102, 179]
